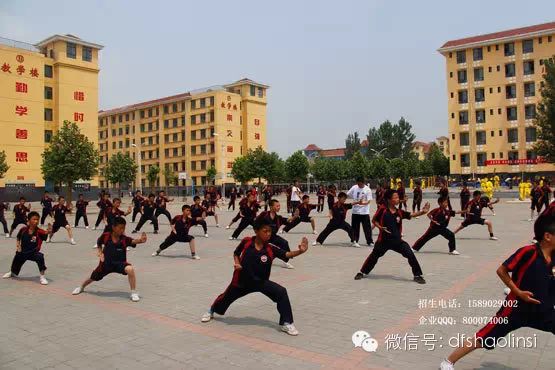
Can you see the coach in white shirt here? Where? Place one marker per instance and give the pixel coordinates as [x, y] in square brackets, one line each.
[295, 196]
[362, 195]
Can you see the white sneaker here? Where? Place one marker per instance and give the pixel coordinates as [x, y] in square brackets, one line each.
[232, 238]
[415, 250]
[446, 365]
[217, 225]
[315, 232]
[77, 290]
[7, 235]
[43, 280]
[86, 227]
[506, 291]
[206, 235]
[94, 227]
[7, 275]
[95, 246]
[355, 244]
[416, 218]
[289, 329]
[155, 254]
[48, 239]
[128, 248]
[280, 232]
[135, 297]
[455, 252]
[72, 241]
[288, 266]
[530, 220]
[195, 257]
[227, 227]
[370, 245]
[207, 316]
[493, 238]
[315, 243]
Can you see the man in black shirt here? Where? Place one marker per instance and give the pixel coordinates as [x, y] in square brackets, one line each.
[248, 212]
[338, 213]
[81, 211]
[210, 203]
[303, 213]
[29, 242]
[389, 220]
[474, 214]
[138, 200]
[112, 251]
[147, 214]
[416, 197]
[3, 208]
[253, 264]
[102, 204]
[198, 215]
[180, 225]
[161, 203]
[276, 221]
[20, 211]
[60, 220]
[46, 203]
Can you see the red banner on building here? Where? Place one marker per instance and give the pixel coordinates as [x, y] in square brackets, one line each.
[512, 162]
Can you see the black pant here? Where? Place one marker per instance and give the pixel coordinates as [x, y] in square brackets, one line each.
[245, 221]
[294, 223]
[20, 258]
[99, 218]
[432, 233]
[201, 223]
[294, 205]
[330, 203]
[464, 203]
[236, 218]
[16, 222]
[416, 204]
[356, 220]
[272, 290]
[280, 242]
[163, 211]
[144, 219]
[231, 203]
[45, 213]
[399, 246]
[331, 227]
[4, 223]
[136, 211]
[173, 238]
[320, 204]
[78, 216]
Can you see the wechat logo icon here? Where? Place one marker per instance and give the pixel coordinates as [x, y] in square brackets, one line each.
[363, 339]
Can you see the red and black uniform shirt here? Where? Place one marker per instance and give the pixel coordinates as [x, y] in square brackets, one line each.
[275, 223]
[233, 194]
[111, 214]
[442, 216]
[474, 210]
[249, 211]
[182, 225]
[417, 194]
[20, 212]
[137, 201]
[60, 214]
[531, 272]
[46, 203]
[103, 204]
[114, 252]
[148, 209]
[444, 192]
[208, 206]
[392, 221]
[321, 194]
[256, 264]
[339, 212]
[81, 206]
[401, 193]
[3, 207]
[536, 193]
[331, 195]
[465, 195]
[31, 243]
[161, 202]
[197, 210]
[304, 211]
[546, 190]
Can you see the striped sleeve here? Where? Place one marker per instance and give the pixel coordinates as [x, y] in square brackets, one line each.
[519, 258]
[378, 215]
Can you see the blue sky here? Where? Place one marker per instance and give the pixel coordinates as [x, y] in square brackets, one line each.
[334, 67]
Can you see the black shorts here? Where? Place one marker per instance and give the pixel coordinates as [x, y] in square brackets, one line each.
[210, 213]
[305, 219]
[58, 225]
[473, 221]
[535, 205]
[104, 269]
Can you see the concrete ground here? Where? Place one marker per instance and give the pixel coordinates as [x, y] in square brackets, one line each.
[47, 327]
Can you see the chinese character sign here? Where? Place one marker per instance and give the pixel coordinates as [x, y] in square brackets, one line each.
[78, 95]
[21, 156]
[21, 110]
[21, 87]
[20, 134]
[230, 117]
[78, 117]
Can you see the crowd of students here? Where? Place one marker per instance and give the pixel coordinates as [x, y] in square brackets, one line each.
[528, 273]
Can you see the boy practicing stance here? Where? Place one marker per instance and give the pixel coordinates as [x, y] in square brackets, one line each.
[60, 220]
[253, 264]
[474, 214]
[338, 213]
[112, 250]
[180, 225]
[302, 214]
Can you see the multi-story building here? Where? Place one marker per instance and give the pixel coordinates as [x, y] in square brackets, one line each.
[493, 88]
[422, 149]
[42, 85]
[187, 133]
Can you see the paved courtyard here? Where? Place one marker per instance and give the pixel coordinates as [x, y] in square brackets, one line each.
[47, 327]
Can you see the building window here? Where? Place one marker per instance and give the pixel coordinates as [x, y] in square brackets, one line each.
[203, 103]
[71, 50]
[480, 116]
[47, 114]
[528, 46]
[463, 117]
[492, 155]
[193, 120]
[479, 74]
[510, 91]
[531, 154]
[461, 76]
[513, 155]
[48, 92]
[463, 97]
[530, 134]
[174, 107]
[47, 136]
[193, 104]
[489, 69]
[48, 71]
[477, 54]
[509, 49]
[166, 109]
[465, 160]
[252, 90]
[480, 138]
[260, 92]
[512, 135]
[166, 123]
[211, 101]
[530, 111]
[87, 54]
[479, 95]
[175, 122]
[481, 159]
[461, 56]
[528, 67]
[464, 139]
[203, 118]
[529, 89]
[511, 114]
[510, 70]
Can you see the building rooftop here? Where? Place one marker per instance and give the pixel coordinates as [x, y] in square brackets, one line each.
[68, 38]
[338, 152]
[502, 36]
[312, 147]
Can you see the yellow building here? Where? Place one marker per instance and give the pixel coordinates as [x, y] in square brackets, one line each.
[422, 149]
[493, 88]
[187, 133]
[42, 85]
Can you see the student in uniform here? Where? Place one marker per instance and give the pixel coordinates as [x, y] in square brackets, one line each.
[402, 195]
[3, 208]
[147, 214]
[536, 195]
[444, 192]
[330, 194]
[276, 221]
[253, 264]
[209, 205]
[46, 203]
[288, 198]
[161, 203]
[60, 220]
[114, 212]
[474, 214]
[439, 221]
[20, 215]
[137, 201]
[267, 196]
[102, 205]
[198, 215]
[248, 213]
[238, 216]
[180, 226]
[380, 190]
[360, 214]
[546, 190]
[337, 215]
[232, 199]
[389, 220]
[81, 211]
[465, 196]
[321, 194]
[416, 197]
[29, 242]
[530, 301]
[303, 215]
[112, 251]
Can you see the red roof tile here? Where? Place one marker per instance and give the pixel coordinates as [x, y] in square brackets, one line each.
[516, 32]
[364, 143]
[312, 147]
[339, 152]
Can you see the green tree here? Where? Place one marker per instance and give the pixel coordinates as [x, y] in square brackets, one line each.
[276, 168]
[3, 164]
[170, 177]
[241, 170]
[378, 168]
[425, 168]
[211, 175]
[321, 169]
[297, 166]
[352, 145]
[397, 168]
[120, 169]
[439, 162]
[357, 166]
[413, 166]
[70, 157]
[391, 140]
[545, 117]
[152, 175]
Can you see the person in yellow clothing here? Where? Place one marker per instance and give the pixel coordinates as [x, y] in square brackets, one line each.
[522, 191]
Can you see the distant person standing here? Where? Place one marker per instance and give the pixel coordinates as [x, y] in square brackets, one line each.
[295, 196]
[362, 195]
